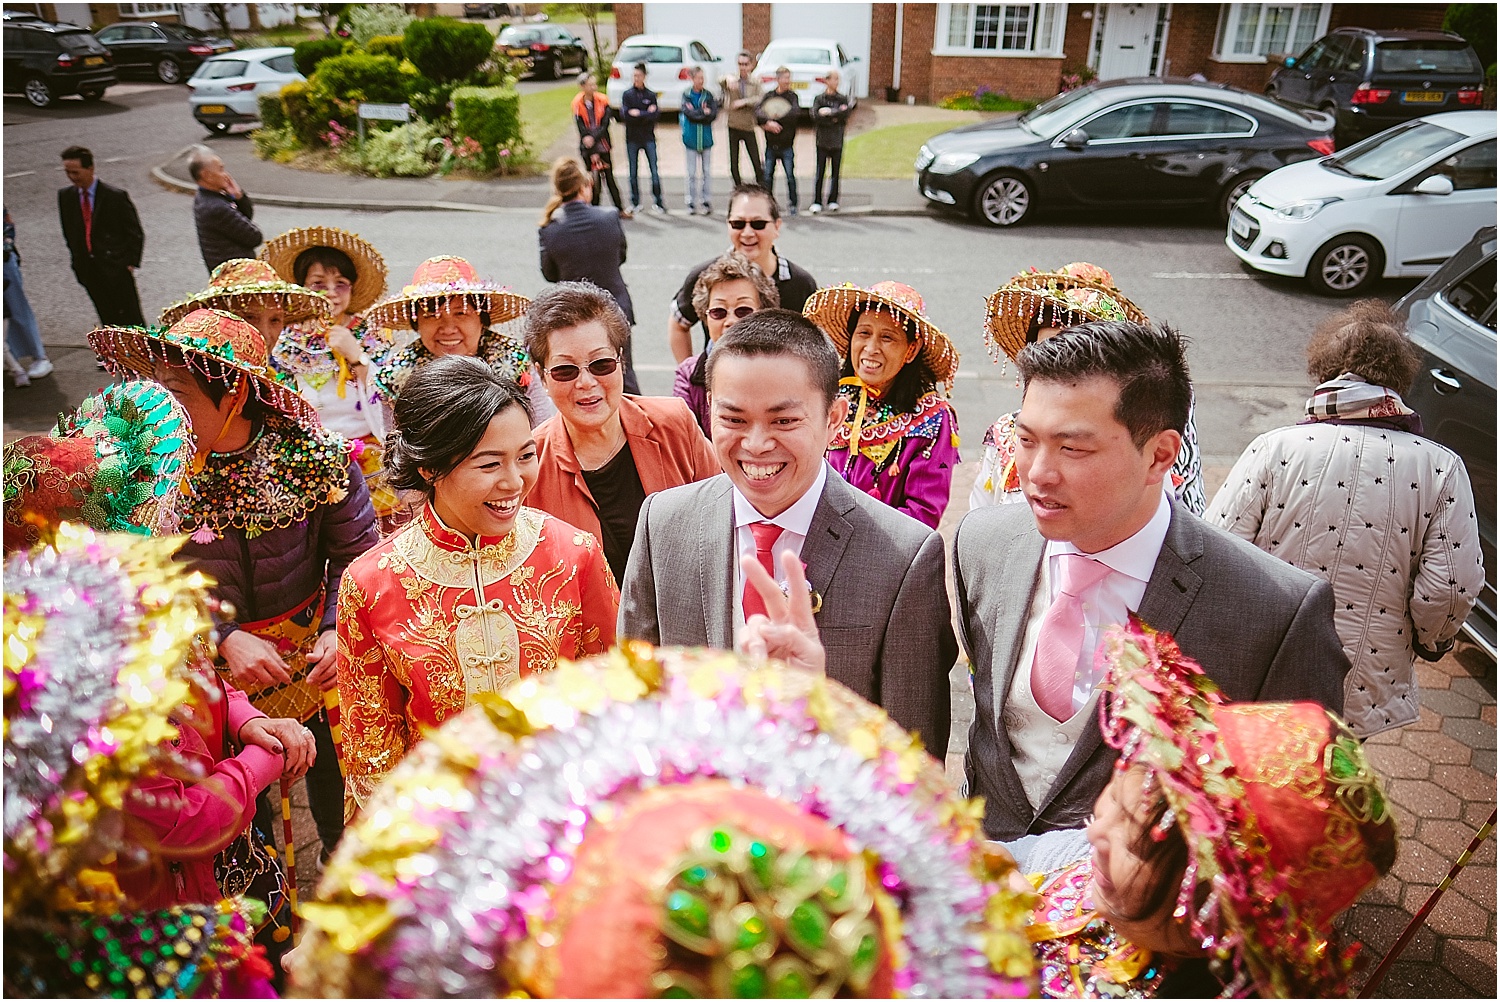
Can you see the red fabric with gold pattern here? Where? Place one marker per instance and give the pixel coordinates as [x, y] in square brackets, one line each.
[444, 270]
[57, 479]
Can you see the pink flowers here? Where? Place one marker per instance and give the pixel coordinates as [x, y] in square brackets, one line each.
[337, 135]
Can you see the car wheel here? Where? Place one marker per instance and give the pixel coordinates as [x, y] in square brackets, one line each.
[217, 128]
[1346, 265]
[1004, 200]
[168, 71]
[38, 92]
[92, 94]
[1233, 191]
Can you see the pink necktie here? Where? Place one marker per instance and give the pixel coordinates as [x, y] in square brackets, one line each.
[1060, 640]
[766, 534]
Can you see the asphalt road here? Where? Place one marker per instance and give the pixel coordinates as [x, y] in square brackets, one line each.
[1247, 332]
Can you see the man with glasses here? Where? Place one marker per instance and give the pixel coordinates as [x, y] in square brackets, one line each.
[742, 96]
[754, 224]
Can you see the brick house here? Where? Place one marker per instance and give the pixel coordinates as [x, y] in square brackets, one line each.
[242, 16]
[930, 50]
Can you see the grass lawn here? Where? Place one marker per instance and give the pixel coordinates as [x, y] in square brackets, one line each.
[889, 152]
[546, 116]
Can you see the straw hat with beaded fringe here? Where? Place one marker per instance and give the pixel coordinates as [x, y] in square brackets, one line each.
[282, 252]
[443, 278]
[243, 280]
[1073, 294]
[830, 308]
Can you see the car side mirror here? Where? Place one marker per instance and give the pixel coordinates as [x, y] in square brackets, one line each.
[1076, 139]
[1291, 62]
[1436, 184]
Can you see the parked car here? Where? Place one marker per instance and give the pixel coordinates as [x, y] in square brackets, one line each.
[1122, 142]
[1372, 80]
[169, 52]
[1398, 204]
[1451, 318]
[226, 89]
[45, 61]
[546, 50]
[488, 10]
[810, 60]
[668, 59]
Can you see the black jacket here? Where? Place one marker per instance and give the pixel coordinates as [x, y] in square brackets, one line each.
[224, 227]
[639, 128]
[829, 129]
[117, 235]
[586, 242]
[789, 119]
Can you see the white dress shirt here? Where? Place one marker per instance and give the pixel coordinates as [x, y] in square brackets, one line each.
[794, 523]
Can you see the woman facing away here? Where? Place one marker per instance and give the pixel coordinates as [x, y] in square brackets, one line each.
[727, 291]
[477, 590]
[1356, 495]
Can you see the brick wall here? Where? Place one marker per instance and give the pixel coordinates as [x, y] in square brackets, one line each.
[1190, 39]
[630, 19]
[1078, 35]
[755, 26]
[1246, 76]
[918, 24]
[1021, 77]
[882, 47]
[1387, 15]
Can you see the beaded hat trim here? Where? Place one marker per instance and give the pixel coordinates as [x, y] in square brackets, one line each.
[282, 252]
[239, 282]
[831, 306]
[1059, 298]
[439, 280]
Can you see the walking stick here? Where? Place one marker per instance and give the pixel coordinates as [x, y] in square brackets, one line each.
[290, 852]
[1373, 984]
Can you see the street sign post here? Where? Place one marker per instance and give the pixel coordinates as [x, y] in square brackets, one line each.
[382, 113]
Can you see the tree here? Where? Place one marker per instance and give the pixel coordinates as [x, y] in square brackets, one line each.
[602, 55]
[220, 12]
[328, 13]
[1476, 23]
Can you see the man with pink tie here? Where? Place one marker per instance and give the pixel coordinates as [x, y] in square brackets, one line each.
[1098, 540]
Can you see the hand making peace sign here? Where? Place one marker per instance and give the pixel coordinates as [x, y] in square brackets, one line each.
[787, 632]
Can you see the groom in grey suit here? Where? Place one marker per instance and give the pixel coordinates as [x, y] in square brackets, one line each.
[1099, 427]
[877, 574]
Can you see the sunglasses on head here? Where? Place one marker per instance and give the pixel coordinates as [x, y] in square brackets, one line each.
[754, 224]
[598, 367]
[720, 312]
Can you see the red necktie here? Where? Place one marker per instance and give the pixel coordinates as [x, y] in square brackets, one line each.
[1060, 640]
[765, 534]
[88, 218]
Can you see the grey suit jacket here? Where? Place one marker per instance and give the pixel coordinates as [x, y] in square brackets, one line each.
[1262, 629]
[884, 620]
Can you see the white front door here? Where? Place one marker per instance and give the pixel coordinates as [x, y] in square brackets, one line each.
[1129, 37]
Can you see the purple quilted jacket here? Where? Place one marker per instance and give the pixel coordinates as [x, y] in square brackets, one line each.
[273, 573]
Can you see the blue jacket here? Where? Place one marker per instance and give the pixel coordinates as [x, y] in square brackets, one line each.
[698, 111]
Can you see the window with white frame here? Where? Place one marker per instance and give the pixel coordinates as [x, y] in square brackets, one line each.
[146, 9]
[999, 29]
[1248, 32]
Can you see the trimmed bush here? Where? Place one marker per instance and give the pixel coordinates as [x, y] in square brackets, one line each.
[367, 20]
[306, 110]
[307, 55]
[386, 45]
[405, 151]
[429, 98]
[359, 76]
[445, 49]
[278, 144]
[492, 116]
[271, 114]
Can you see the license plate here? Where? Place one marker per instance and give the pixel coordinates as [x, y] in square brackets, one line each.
[212, 109]
[519, 53]
[94, 61]
[1240, 225]
[1424, 96]
[799, 85]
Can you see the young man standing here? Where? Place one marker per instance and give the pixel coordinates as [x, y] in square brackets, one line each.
[592, 114]
[104, 239]
[699, 109]
[639, 111]
[742, 96]
[778, 114]
[830, 113]
[754, 224]
[876, 574]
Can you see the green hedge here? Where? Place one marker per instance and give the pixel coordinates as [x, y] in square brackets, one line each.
[359, 76]
[386, 45]
[307, 110]
[272, 115]
[445, 49]
[307, 55]
[491, 115]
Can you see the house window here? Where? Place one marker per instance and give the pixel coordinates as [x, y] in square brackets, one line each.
[146, 9]
[1000, 29]
[1248, 32]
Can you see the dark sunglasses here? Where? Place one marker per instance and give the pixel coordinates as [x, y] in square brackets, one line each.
[740, 312]
[598, 367]
[754, 224]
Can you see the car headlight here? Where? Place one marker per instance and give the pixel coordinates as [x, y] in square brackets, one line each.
[1304, 208]
[952, 163]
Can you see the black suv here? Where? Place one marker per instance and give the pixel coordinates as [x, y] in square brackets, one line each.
[45, 61]
[168, 52]
[1372, 80]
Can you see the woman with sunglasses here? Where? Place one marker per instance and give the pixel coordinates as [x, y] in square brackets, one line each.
[474, 592]
[729, 290]
[604, 451]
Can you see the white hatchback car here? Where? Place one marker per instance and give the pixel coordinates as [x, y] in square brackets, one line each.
[225, 89]
[1397, 204]
[668, 59]
[809, 59]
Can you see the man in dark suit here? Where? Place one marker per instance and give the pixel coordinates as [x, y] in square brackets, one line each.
[882, 610]
[586, 243]
[1038, 584]
[104, 238]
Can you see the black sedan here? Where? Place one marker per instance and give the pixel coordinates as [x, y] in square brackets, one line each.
[169, 52]
[1117, 143]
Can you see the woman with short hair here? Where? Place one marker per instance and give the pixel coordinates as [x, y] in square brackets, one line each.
[1354, 494]
[727, 291]
[604, 451]
[477, 590]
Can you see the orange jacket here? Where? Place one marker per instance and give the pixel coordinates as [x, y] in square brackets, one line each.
[665, 442]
